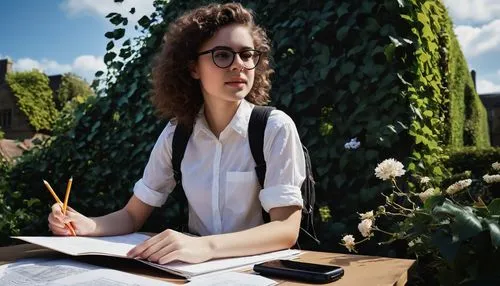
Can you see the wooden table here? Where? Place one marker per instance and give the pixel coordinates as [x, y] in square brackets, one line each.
[359, 269]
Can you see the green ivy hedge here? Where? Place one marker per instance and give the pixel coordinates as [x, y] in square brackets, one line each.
[475, 160]
[467, 115]
[34, 98]
[372, 70]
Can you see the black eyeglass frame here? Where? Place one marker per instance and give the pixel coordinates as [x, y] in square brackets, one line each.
[258, 53]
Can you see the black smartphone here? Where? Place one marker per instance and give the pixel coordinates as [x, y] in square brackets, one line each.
[302, 271]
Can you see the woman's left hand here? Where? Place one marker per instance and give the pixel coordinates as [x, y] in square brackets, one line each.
[171, 245]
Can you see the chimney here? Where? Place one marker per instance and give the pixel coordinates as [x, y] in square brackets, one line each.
[5, 67]
[473, 74]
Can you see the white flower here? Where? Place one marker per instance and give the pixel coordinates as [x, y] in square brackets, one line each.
[458, 186]
[491, 178]
[414, 242]
[496, 166]
[430, 192]
[349, 242]
[424, 180]
[389, 169]
[353, 144]
[367, 215]
[365, 227]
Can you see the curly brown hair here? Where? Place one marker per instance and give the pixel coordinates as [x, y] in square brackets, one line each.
[175, 92]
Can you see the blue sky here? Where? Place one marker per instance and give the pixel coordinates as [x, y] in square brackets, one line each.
[59, 36]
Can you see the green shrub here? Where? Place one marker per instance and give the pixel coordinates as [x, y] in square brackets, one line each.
[475, 160]
[72, 91]
[8, 221]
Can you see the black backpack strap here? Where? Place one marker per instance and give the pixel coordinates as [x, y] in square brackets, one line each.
[179, 144]
[256, 129]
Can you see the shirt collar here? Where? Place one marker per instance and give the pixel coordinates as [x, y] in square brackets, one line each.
[239, 123]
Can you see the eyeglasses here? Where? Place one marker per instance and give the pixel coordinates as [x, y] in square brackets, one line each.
[224, 57]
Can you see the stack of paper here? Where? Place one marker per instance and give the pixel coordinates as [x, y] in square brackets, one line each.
[58, 272]
[119, 246]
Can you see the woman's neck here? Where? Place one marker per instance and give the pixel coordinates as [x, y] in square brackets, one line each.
[219, 114]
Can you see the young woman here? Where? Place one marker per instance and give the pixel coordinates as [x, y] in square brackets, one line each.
[212, 69]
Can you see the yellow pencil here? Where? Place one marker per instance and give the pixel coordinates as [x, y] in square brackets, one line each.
[66, 197]
[52, 192]
[73, 233]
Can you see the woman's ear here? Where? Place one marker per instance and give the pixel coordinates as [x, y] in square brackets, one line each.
[193, 70]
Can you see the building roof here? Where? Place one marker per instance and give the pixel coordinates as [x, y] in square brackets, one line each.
[490, 99]
[11, 149]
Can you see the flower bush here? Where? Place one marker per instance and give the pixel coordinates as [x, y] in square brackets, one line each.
[452, 229]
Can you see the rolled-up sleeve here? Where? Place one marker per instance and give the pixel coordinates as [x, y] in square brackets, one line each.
[158, 180]
[284, 161]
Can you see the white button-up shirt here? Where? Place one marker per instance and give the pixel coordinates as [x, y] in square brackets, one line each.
[218, 174]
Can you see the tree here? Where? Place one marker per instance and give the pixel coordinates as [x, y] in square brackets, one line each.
[72, 88]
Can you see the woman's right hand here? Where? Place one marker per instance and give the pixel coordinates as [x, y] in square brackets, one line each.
[82, 225]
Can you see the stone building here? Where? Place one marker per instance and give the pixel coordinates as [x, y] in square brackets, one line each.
[13, 122]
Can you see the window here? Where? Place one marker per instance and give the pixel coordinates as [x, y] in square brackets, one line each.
[5, 118]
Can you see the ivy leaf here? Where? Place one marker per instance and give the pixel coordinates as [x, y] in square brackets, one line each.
[389, 52]
[324, 57]
[354, 86]
[347, 68]
[118, 33]
[111, 15]
[99, 73]
[132, 10]
[401, 3]
[110, 45]
[109, 35]
[116, 19]
[144, 21]
[109, 57]
[139, 117]
[343, 9]
[342, 33]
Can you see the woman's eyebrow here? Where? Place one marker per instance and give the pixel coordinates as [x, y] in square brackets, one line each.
[231, 49]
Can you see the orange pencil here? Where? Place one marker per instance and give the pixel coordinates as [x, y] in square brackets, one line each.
[59, 202]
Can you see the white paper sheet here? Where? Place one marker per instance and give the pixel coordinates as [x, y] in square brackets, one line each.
[189, 270]
[108, 277]
[119, 246]
[79, 245]
[57, 272]
[232, 278]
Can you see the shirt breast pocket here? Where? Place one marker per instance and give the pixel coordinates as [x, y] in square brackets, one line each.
[241, 191]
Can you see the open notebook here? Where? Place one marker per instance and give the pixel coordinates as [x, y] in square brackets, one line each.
[118, 246]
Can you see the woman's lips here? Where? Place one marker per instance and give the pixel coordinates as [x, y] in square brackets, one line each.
[236, 83]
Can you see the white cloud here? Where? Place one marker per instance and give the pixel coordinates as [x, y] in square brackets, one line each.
[485, 86]
[45, 65]
[84, 66]
[104, 7]
[479, 40]
[88, 65]
[473, 10]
